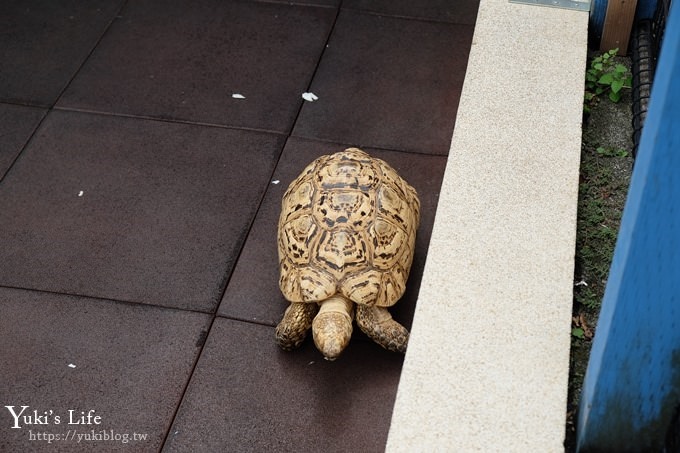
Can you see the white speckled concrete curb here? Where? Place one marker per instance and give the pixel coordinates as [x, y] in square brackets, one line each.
[487, 364]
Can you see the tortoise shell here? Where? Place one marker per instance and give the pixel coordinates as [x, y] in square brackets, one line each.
[348, 225]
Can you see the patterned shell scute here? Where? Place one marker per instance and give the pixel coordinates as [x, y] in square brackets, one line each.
[348, 225]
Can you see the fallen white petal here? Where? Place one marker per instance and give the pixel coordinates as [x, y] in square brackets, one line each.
[581, 283]
[80, 194]
[238, 96]
[311, 97]
[276, 181]
[70, 365]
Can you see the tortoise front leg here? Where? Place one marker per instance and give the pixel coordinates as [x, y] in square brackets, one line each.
[377, 323]
[292, 330]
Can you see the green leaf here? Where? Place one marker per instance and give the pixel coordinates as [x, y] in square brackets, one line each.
[578, 332]
[597, 66]
[614, 97]
[606, 79]
[621, 69]
[617, 85]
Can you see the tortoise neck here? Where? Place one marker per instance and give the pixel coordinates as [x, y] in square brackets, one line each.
[337, 304]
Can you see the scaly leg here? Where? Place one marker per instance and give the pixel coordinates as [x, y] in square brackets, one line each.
[377, 323]
[292, 330]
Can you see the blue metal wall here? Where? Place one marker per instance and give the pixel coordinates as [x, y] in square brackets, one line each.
[632, 384]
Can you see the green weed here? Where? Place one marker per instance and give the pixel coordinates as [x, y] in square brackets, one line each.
[611, 152]
[604, 75]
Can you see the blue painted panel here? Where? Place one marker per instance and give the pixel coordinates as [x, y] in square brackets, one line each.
[645, 9]
[632, 384]
[598, 12]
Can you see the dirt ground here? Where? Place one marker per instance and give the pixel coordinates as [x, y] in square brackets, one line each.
[606, 166]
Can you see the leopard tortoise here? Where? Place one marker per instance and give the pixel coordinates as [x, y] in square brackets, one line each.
[346, 237]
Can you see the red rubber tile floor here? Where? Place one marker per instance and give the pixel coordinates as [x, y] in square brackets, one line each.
[144, 149]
